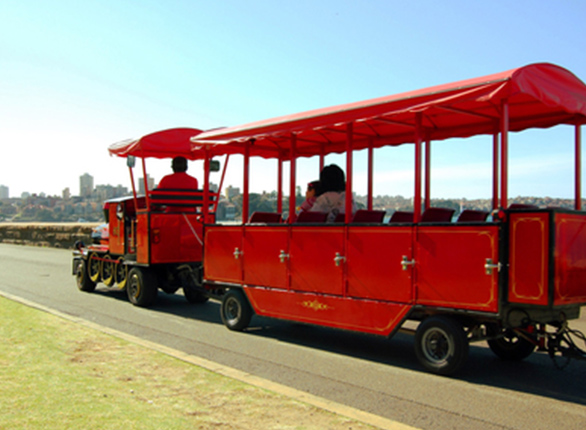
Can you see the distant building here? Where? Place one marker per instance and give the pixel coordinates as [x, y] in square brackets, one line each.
[232, 192]
[66, 194]
[86, 185]
[150, 184]
[4, 192]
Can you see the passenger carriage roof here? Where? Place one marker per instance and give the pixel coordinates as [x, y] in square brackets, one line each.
[161, 144]
[539, 95]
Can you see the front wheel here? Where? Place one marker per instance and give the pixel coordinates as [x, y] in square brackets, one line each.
[441, 345]
[141, 287]
[235, 311]
[82, 278]
[511, 346]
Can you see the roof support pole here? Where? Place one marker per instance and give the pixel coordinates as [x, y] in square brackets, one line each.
[322, 158]
[206, 185]
[133, 188]
[145, 181]
[292, 179]
[418, 172]
[221, 187]
[349, 146]
[370, 175]
[495, 171]
[578, 161]
[427, 202]
[246, 179]
[504, 153]
[280, 185]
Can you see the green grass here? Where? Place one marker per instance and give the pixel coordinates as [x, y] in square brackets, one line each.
[55, 374]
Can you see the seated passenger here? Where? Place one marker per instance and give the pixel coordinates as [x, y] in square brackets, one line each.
[311, 194]
[178, 179]
[333, 198]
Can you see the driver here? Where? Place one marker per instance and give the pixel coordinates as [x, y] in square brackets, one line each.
[179, 179]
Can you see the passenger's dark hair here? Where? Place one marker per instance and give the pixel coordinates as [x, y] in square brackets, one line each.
[332, 178]
[316, 186]
[179, 164]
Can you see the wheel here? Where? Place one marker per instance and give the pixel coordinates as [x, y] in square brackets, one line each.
[121, 273]
[193, 296]
[141, 287]
[441, 345]
[84, 283]
[235, 310]
[108, 271]
[94, 267]
[511, 347]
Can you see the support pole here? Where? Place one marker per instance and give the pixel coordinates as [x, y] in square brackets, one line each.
[495, 171]
[427, 203]
[246, 182]
[292, 181]
[145, 184]
[418, 172]
[370, 190]
[349, 146]
[206, 185]
[280, 185]
[504, 153]
[578, 161]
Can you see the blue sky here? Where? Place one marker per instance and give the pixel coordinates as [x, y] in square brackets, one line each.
[78, 76]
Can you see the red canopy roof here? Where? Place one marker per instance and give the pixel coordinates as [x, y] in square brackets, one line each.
[162, 144]
[538, 95]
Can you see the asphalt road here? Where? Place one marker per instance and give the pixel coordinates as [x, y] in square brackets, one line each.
[377, 375]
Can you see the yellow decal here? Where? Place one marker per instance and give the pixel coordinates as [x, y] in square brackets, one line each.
[315, 305]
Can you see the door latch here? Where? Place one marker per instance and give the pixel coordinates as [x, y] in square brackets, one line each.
[405, 262]
[490, 266]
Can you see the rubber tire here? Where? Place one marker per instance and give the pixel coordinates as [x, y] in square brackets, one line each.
[108, 272]
[235, 311]
[511, 347]
[441, 345]
[121, 274]
[94, 267]
[82, 278]
[141, 287]
[194, 297]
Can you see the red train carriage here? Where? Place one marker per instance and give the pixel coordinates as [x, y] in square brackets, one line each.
[155, 241]
[513, 278]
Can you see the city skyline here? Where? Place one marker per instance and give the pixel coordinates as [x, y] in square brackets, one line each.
[77, 79]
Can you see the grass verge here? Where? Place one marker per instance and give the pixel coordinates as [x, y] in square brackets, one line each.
[55, 374]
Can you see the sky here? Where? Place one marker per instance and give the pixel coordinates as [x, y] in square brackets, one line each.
[76, 77]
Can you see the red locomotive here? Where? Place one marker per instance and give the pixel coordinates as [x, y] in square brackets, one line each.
[155, 241]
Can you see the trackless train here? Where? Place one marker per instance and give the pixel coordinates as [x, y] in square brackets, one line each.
[513, 277]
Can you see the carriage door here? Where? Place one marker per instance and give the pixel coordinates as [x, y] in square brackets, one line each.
[457, 266]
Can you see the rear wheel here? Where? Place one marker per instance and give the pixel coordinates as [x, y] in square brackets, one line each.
[511, 346]
[235, 311]
[108, 271]
[94, 267]
[84, 283]
[121, 274]
[141, 287]
[441, 345]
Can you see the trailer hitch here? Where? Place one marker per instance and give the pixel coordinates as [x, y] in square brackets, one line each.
[562, 347]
